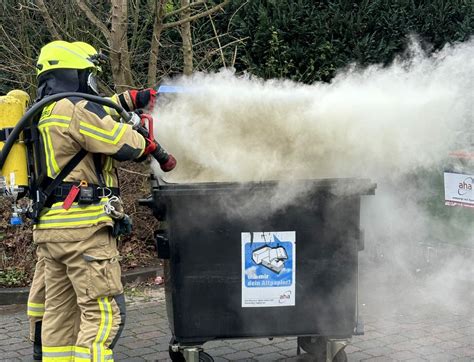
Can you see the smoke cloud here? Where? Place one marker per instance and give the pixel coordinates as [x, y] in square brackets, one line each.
[395, 125]
[375, 122]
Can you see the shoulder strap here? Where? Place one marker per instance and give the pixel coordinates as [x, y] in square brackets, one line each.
[97, 157]
[42, 195]
[73, 162]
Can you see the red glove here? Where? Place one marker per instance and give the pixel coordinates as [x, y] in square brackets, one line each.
[169, 165]
[143, 98]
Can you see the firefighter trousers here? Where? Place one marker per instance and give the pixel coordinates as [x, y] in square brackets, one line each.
[35, 306]
[85, 274]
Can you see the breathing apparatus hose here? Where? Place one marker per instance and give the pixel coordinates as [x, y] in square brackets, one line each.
[38, 107]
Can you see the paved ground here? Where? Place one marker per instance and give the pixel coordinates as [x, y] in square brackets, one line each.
[400, 325]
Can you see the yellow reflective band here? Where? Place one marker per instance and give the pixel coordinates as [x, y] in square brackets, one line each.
[81, 349]
[51, 153]
[47, 110]
[59, 354]
[113, 136]
[58, 349]
[143, 146]
[109, 325]
[77, 217]
[56, 120]
[35, 309]
[75, 206]
[57, 116]
[111, 111]
[66, 218]
[34, 314]
[53, 123]
[108, 172]
[41, 225]
[98, 348]
[47, 149]
[82, 354]
[96, 210]
[115, 99]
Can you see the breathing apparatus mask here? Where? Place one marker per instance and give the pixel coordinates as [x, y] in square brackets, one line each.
[98, 59]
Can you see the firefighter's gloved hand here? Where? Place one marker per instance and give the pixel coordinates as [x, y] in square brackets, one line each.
[150, 147]
[122, 226]
[143, 98]
[169, 164]
[167, 161]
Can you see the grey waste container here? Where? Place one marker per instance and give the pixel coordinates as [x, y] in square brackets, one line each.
[260, 259]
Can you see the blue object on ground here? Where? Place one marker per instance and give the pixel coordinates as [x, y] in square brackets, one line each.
[16, 220]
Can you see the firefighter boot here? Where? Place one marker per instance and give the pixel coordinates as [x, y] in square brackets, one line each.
[37, 349]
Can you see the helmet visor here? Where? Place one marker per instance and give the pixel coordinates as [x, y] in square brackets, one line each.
[92, 83]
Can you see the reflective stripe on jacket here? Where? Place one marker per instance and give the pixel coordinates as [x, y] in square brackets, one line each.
[68, 126]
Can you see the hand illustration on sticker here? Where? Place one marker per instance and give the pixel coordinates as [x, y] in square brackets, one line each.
[271, 258]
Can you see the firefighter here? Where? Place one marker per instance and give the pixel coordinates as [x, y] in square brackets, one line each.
[130, 100]
[78, 260]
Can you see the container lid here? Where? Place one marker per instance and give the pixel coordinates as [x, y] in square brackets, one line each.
[339, 186]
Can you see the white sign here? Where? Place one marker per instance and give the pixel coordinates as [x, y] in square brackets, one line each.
[458, 189]
[268, 269]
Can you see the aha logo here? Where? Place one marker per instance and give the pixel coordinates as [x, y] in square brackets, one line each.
[285, 297]
[465, 186]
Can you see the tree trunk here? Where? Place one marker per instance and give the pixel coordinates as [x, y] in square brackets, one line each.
[187, 39]
[155, 43]
[119, 55]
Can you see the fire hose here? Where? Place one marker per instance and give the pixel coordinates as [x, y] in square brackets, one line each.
[31, 115]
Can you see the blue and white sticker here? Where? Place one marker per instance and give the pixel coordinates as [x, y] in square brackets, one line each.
[268, 269]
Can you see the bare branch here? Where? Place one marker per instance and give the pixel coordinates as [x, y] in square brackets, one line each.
[218, 40]
[47, 18]
[197, 16]
[94, 19]
[180, 10]
[133, 172]
[235, 12]
[16, 52]
[241, 40]
[208, 40]
[234, 58]
[23, 6]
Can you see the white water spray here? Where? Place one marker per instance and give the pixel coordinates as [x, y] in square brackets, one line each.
[383, 123]
[374, 122]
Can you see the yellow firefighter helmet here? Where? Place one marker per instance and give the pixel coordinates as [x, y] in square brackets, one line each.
[61, 54]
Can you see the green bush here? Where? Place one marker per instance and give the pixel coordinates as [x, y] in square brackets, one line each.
[13, 277]
[308, 40]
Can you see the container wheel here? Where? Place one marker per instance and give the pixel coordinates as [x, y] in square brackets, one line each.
[340, 356]
[316, 346]
[179, 357]
[205, 357]
[176, 356]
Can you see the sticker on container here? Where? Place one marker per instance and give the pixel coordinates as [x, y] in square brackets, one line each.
[268, 269]
[458, 189]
